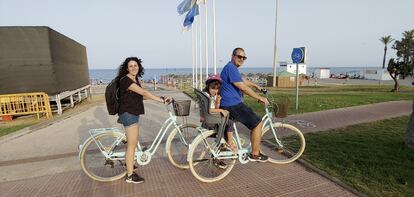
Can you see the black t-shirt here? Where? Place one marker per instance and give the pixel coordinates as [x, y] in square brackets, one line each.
[130, 101]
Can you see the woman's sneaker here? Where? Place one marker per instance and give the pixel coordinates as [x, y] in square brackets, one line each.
[259, 158]
[134, 178]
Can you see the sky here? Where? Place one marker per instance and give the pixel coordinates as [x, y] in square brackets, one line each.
[336, 33]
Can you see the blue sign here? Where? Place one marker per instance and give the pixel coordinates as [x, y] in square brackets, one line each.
[297, 55]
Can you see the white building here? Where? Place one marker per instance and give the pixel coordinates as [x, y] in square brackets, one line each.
[377, 74]
[322, 73]
[291, 67]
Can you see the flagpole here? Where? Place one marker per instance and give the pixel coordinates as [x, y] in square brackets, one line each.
[200, 51]
[195, 30]
[206, 43]
[275, 46]
[214, 37]
[192, 51]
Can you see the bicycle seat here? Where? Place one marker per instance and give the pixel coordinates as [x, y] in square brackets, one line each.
[210, 120]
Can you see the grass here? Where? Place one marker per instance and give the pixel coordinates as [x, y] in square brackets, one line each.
[15, 125]
[319, 98]
[370, 157]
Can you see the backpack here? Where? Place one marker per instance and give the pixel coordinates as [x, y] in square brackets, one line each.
[112, 97]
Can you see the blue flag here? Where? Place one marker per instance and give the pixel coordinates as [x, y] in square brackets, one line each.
[189, 18]
[184, 6]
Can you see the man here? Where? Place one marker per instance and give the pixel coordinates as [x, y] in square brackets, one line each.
[231, 99]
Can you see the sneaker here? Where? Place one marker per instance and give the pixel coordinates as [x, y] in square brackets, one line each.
[219, 164]
[134, 178]
[259, 158]
[224, 147]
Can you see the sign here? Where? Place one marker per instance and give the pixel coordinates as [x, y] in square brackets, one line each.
[297, 55]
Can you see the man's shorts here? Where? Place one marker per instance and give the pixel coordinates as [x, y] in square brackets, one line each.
[243, 114]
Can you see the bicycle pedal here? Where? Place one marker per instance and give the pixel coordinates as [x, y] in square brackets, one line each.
[109, 162]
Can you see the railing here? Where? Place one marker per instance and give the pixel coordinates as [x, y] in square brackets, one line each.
[25, 103]
[74, 96]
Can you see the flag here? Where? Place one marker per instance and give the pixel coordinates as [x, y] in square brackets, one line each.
[189, 18]
[185, 6]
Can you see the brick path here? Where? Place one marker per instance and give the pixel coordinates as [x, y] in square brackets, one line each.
[52, 168]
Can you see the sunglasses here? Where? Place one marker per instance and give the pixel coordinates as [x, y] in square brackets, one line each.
[241, 57]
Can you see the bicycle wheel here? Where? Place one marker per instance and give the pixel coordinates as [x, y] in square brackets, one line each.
[288, 145]
[202, 163]
[93, 161]
[178, 142]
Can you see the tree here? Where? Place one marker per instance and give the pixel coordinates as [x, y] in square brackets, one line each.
[403, 65]
[385, 40]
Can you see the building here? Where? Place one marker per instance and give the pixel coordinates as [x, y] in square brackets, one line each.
[377, 74]
[291, 67]
[322, 73]
[40, 59]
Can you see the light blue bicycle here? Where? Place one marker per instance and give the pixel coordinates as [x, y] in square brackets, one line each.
[211, 161]
[102, 155]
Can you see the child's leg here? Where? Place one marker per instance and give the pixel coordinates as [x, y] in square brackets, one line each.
[229, 135]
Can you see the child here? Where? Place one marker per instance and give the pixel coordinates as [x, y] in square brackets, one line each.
[213, 84]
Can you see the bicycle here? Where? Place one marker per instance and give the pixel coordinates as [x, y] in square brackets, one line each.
[206, 156]
[102, 155]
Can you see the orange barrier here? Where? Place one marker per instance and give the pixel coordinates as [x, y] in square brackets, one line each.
[25, 103]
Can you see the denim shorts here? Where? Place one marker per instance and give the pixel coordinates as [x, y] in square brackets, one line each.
[243, 114]
[128, 119]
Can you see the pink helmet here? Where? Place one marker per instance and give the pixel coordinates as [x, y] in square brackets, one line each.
[212, 78]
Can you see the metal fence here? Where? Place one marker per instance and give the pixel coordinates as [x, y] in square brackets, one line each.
[25, 103]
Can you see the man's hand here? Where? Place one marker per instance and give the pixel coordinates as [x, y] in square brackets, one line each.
[264, 101]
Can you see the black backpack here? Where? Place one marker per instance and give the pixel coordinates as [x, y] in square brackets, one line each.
[112, 97]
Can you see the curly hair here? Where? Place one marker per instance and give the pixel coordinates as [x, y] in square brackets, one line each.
[123, 68]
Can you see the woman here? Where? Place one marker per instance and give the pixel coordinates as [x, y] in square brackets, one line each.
[131, 107]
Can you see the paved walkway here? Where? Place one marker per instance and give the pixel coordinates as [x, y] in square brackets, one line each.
[44, 162]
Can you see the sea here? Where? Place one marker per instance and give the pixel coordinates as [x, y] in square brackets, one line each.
[106, 75]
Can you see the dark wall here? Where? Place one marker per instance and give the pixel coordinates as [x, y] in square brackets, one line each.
[39, 59]
[69, 62]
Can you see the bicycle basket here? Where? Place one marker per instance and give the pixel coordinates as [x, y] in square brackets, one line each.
[280, 108]
[182, 108]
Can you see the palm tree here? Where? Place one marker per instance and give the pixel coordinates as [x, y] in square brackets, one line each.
[385, 40]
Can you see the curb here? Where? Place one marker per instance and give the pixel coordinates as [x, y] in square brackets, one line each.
[309, 166]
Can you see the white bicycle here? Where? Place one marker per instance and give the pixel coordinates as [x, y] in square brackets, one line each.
[210, 161]
[102, 155]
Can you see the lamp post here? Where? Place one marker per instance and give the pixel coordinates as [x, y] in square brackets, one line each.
[275, 46]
